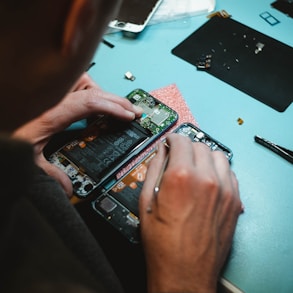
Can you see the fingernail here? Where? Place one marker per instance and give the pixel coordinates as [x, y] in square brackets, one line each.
[130, 115]
[138, 109]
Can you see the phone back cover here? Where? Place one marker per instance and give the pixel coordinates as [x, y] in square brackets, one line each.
[264, 73]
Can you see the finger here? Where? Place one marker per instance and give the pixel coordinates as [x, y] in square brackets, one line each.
[107, 103]
[214, 169]
[181, 151]
[230, 205]
[227, 178]
[179, 147]
[86, 82]
[82, 104]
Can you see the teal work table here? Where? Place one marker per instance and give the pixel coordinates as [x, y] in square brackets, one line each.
[262, 255]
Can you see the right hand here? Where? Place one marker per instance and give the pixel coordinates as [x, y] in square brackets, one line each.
[188, 234]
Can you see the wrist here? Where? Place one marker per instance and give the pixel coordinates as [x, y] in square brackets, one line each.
[180, 282]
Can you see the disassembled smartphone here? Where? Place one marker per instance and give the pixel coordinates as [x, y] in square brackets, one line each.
[134, 15]
[119, 204]
[105, 146]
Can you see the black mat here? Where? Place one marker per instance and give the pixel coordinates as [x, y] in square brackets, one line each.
[285, 6]
[250, 61]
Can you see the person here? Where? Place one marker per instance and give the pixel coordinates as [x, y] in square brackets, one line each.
[45, 244]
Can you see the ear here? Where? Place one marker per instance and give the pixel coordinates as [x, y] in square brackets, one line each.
[79, 19]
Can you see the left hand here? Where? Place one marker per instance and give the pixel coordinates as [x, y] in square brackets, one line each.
[85, 99]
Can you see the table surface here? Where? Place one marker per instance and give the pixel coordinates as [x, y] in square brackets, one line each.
[262, 254]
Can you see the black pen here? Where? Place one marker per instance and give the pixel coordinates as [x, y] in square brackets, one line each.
[281, 151]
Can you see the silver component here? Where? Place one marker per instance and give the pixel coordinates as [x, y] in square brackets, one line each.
[200, 135]
[259, 47]
[128, 75]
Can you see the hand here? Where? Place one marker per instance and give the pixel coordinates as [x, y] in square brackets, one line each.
[85, 99]
[189, 231]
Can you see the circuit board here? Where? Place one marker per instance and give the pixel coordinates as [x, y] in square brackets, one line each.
[156, 115]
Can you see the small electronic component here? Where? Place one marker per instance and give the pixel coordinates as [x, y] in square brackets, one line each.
[107, 205]
[128, 75]
[240, 121]
[259, 47]
[221, 13]
[204, 62]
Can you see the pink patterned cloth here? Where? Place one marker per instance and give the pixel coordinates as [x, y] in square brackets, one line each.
[171, 96]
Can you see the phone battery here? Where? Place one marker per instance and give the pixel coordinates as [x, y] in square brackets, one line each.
[102, 145]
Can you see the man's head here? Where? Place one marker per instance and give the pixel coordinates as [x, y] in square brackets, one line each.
[45, 45]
